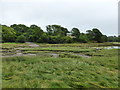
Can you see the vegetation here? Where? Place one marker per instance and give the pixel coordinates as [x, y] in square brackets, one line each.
[54, 34]
[61, 58]
[66, 71]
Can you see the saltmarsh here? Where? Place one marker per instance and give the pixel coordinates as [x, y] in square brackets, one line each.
[66, 71]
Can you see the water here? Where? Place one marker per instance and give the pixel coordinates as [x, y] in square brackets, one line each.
[112, 47]
[31, 44]
[55, 55]
[82, 55]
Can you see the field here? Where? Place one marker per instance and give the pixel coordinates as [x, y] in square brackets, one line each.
[29, 65]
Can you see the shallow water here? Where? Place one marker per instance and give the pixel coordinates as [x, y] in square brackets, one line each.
[55, 55]
[82, 55]
[112, 47]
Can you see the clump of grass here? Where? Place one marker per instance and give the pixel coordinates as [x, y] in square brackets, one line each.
[36, 52]
[68, 55]
[16, 58]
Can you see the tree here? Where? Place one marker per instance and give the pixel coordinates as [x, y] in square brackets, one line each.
[35, 33]
[49, 30]
[104, 38]
[97, 35]
[21, 39]
[8, 34]
[54, 34]
[45, 38]
[75, 32]
[113, 38]
[94, 35]
[83, 38]
[20, 28]
[90, 35]
[67, 39]
[56, 30]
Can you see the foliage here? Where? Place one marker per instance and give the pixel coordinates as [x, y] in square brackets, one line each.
[95, 35]
[56, 30]
[75, 32]
[8, 34]
[83, 38]
[21, 39]
[113, 39]
[20, 28]
[54, 34]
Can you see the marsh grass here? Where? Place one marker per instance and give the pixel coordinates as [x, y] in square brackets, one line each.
[67, 71]
[43, 72]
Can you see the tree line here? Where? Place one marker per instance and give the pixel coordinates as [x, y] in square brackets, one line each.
[53, 34]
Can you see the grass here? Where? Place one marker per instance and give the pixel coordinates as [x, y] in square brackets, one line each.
[67, 71]
[60, 49]
[37, 72]
[13, 45]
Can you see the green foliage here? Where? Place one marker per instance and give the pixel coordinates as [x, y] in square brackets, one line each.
[54, 34]
[104, 38]
[113, 38]
[21, 39]
[56, 30]
[75, 32]
[8, 34]
[83, 38]
[97, 35]
[20, 28]
[36, 33]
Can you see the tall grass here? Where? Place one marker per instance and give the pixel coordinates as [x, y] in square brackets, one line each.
[66, 72]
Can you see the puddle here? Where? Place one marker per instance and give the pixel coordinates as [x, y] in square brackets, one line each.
[55, 55]
[82, 55]
[112, 47]
[78, 54]
[109, 47]
[31, 44]
[20, 54]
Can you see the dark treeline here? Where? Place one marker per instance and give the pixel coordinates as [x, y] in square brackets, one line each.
[53, 34]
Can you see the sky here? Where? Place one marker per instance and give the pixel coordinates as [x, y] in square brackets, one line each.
[81, 14]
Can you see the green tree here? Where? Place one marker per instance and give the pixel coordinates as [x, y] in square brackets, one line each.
[75, 32]
[67, 39]
[35, 33]
[104, 38]
[90, 35]
[94, 35]
[113, 38]
[45, 38]
[56, 30]
[97, 35]
[20, 28]
[21, 39]
[83, 38]
[8, 34]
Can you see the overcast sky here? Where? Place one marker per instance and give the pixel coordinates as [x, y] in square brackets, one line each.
[82, 14]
